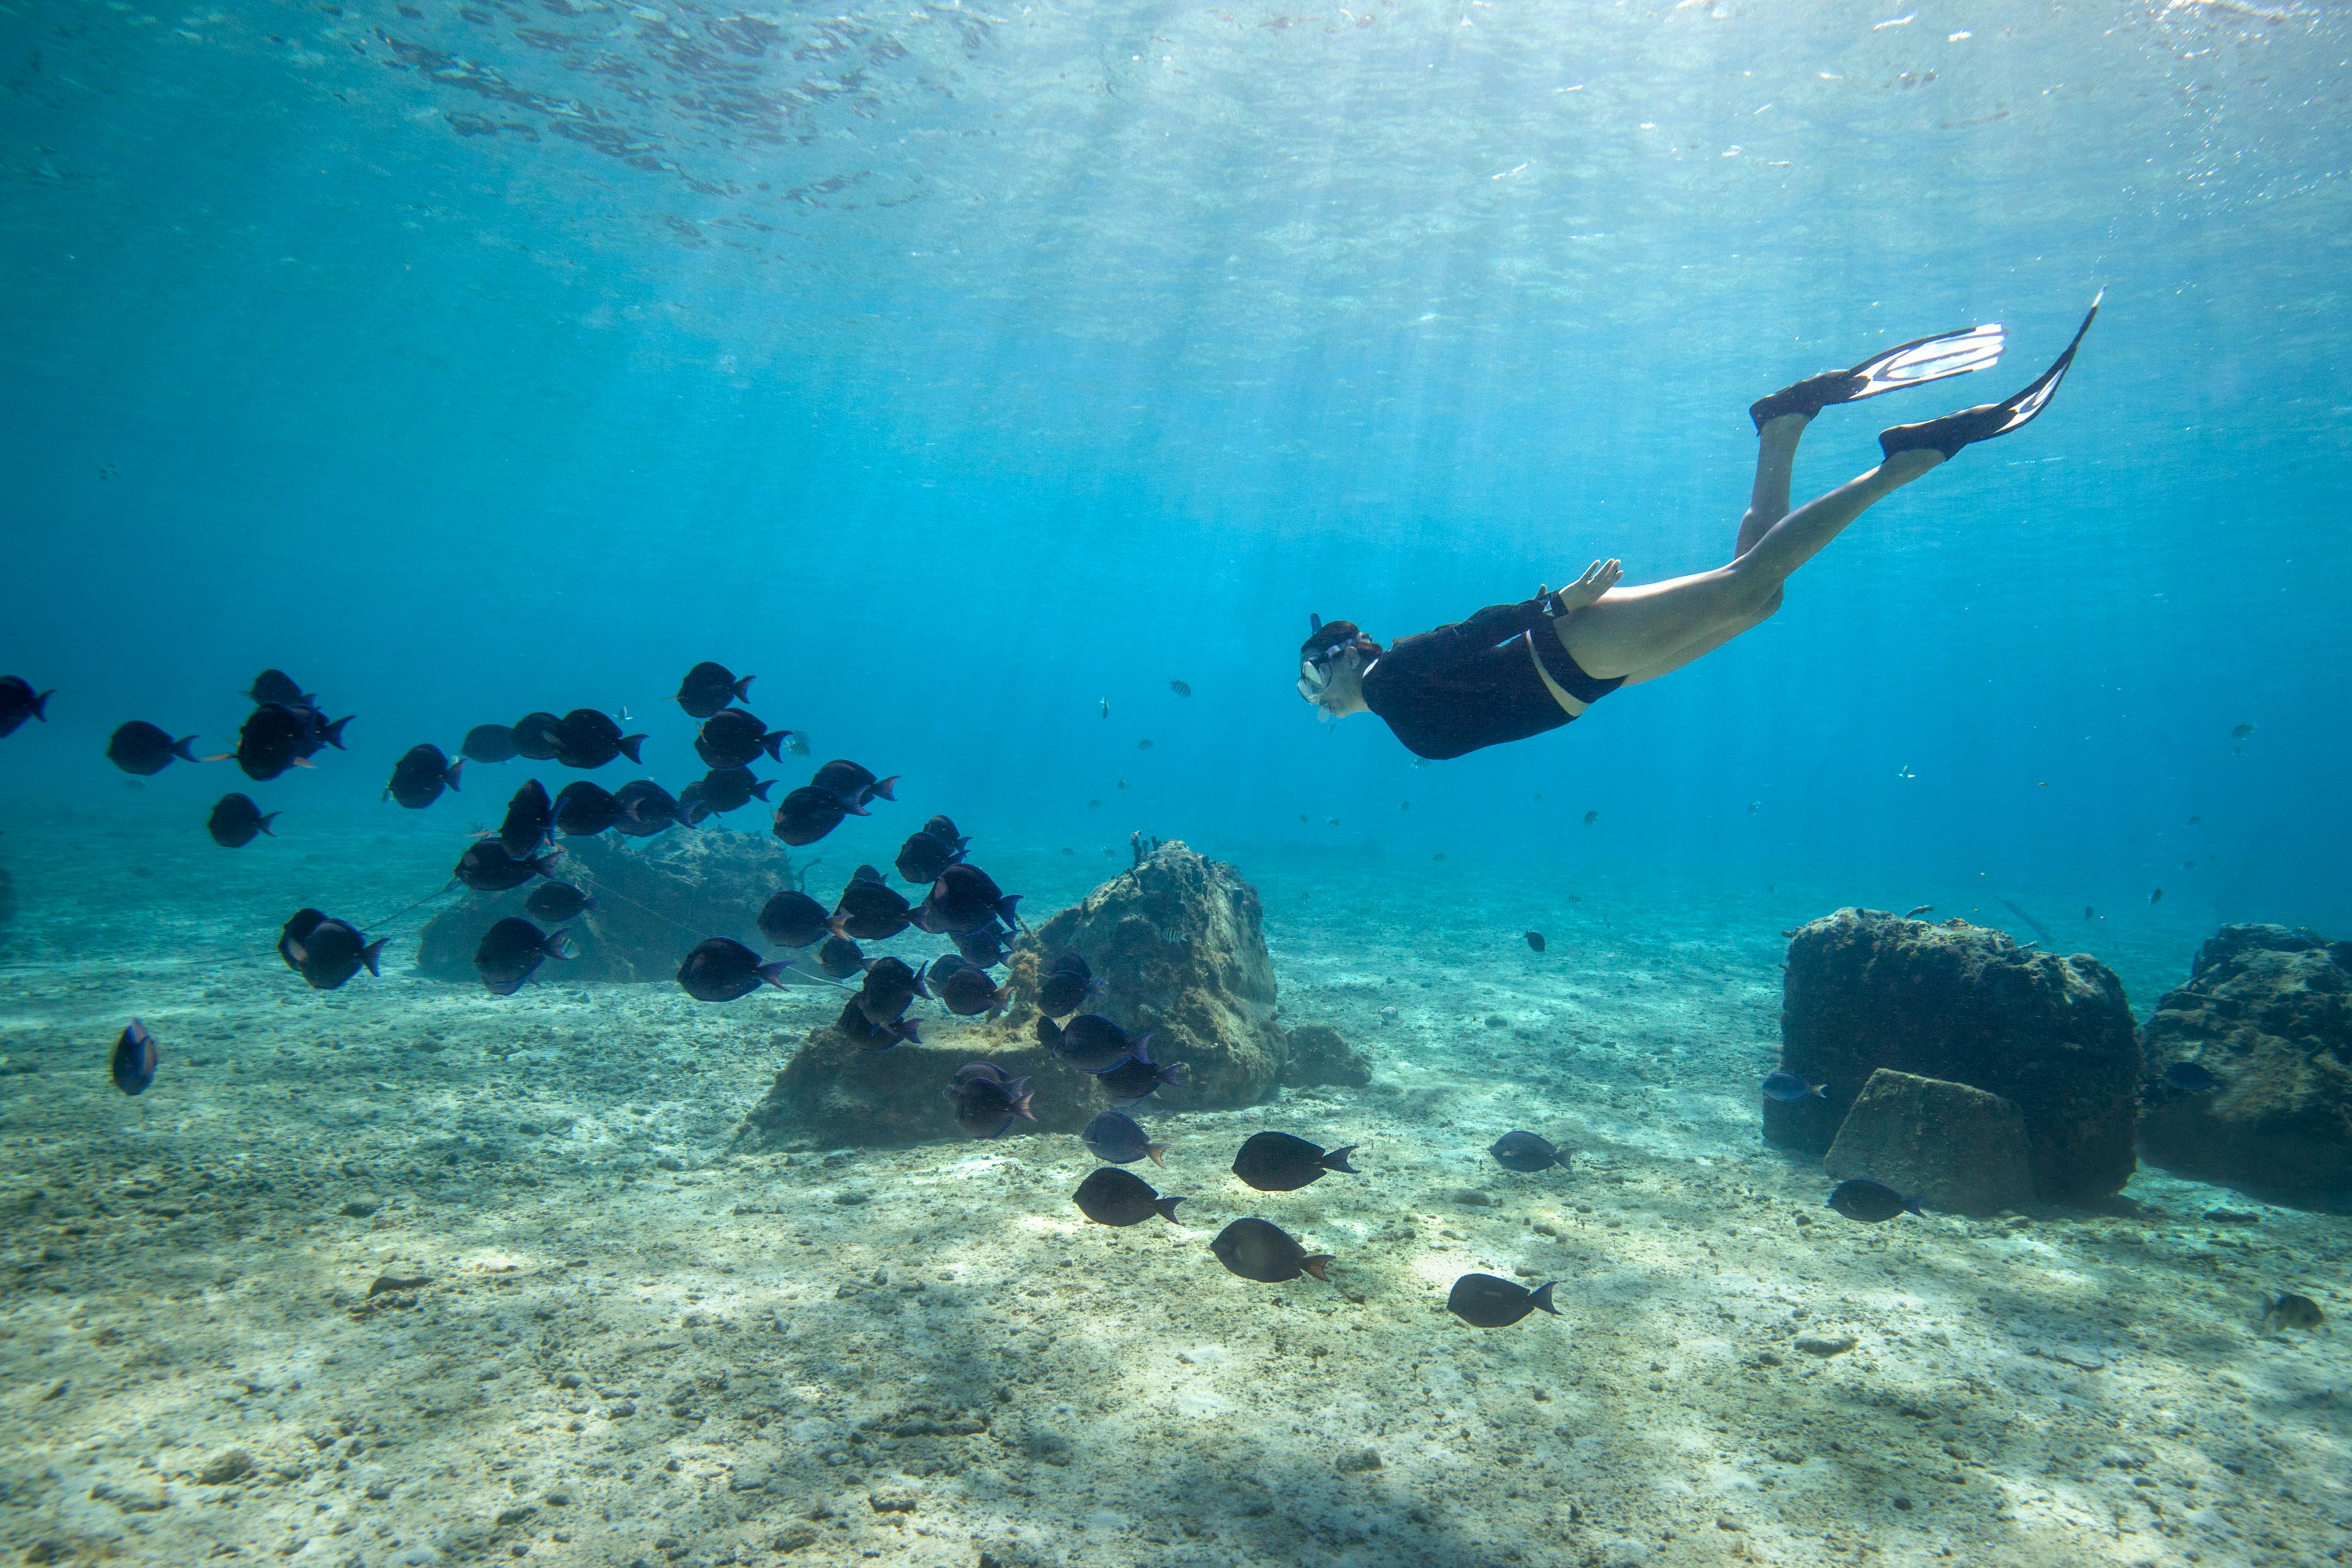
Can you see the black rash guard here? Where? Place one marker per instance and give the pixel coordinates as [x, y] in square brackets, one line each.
[1473, 684]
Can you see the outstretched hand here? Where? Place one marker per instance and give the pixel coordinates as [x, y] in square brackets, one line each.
[1598, 579]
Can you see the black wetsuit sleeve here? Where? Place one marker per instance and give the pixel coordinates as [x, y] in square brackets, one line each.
[1434, 650]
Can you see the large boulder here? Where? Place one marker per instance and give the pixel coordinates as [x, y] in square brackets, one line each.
[2053, 1035]
[2268, 1013]
[655, 900]
[1956, 1149]
[1178, 941]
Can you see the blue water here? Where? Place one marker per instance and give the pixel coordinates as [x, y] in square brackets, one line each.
[957, 371]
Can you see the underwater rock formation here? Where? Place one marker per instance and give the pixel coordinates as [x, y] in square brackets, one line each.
[1319, 1054]
[1178, 941]
[652, 904]
[2267, 1012]
[8, 897]
[1957, 1149]
[2053, 1035]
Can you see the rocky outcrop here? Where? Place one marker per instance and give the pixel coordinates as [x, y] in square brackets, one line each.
[1957, 1149]
[8, 897]
[2053, 1035]
[1319, 1054]
[2267, 1012]
[1179, 944]
[652, 904]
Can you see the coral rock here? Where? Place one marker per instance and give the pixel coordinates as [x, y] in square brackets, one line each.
[1319, 1054]
[1955, 1148]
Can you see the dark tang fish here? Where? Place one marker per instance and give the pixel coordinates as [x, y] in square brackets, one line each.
[1536, 940]
[854, 783]
[1113, 1135]
[490, 743]
[890, 987]
[1526, 1151]
[276, 686]
[793, 919]
[709, 686]
[925, 854]
[511, 950]
[1788, 1088]
[984, 947]
[327, 952]
[1870, 1202]
[529, 819]
[729, 789]
[317, 733]
[1136, 1079]
[558, 901]
[838, 958]
[692, 809]
[1066, 987]
[1092, 1043]
[1277, 1163]
[19, 701]
[645, 808]
[876, 1037]
[235, 820]
[420, 776]
[1112, 1196]
[808, 813]
[964, 897]
[535, 736]
[584, 809]
[963, 988]
[487, 867]
[133, 1064]
[271, 739]
[734, 737]
[1265, 1253]
[301, 924]
[1490, 1301]
[140, 748]
[2191, 1079]
[987, 1100]
[868, 908]
[722, 969]
[587, 738]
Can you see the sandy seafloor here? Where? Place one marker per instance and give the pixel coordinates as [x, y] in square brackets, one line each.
[638, 1347]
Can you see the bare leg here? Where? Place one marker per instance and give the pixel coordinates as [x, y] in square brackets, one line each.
[1642, 631]
[1775, 460]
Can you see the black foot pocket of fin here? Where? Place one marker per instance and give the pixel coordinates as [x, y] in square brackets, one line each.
[1987, 420]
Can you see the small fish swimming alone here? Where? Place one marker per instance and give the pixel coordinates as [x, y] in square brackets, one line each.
[489, 743]
[511, 950]
[326, 951]
[709, 687]
[1112, 1196]
[2288, 1309]
[132, 1065]
[143, 749]
[2241, 731]
[1106, 707]
[1114, 1136]
[1091, 1043]
[1180, 688]
[1144, 744]
[588, 738]
[530, 821]
[2156, 897]
[1789, 1087]
[964, 988]
[793, 919]
[486, 867]
[558, 901]
[535, 736]
[236, 821]
[1278, 1162]
[988, 1100]
[1266, 1253]
[1536, 940]
[1490, 1301]
[722, 969]
[2191, 1079]
[870, 908]
[19, 701]
[1591, 818]
[420, 776]
[276, 686]
[1526, 1153]
[1870, 1202]
[584, 809]
[1067, 986]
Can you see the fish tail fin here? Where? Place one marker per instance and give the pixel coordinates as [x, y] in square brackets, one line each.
[631, 745]
[265, 821]
[850, 807]
[1166, 1208]
[333, 733]
[773, 973]
[559, 944]
[184, 749]
[834, 922]
[1009, 908]
[450, 776]
[762, 788]
[884, 786]
[1316, 1264]
[909, 1029]
[1021, 1105]
[1819, 1091]
[1155, 1151]
[370, 953]
[921, 971]
[1543, 1298]
[1913, 1204]
[41, 705]
[1337, 1159]
[772, 743]
[742, 689]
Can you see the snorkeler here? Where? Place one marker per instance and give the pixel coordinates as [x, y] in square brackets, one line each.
[1515, 671]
